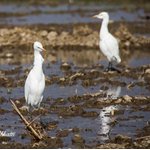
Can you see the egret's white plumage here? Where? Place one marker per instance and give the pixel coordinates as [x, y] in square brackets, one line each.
[108, 43]
[35, 82]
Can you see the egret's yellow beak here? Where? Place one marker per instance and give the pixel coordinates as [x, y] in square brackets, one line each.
[44, 49]
[95, 16]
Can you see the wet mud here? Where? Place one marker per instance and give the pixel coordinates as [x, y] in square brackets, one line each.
[84, 106]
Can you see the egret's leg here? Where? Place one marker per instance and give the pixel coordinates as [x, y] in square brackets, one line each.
[29, 112]
[39, 105]
[109, 67]
[28, 107]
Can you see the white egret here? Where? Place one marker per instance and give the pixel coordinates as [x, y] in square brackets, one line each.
[108, 43]
[35, 82]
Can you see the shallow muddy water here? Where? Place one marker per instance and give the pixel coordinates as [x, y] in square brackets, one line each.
[23, 13]
[83, 106]
[93, 129]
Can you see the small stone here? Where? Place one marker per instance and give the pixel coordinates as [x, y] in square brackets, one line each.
[51, 126]
[95, 94]
[52, 35]
[62, 133]
[62, 100]
[4, 32]
[127, 43]
[9, 91]
[38, 144]
[53, 137]
[70, 130]
[111, 146]
[17, 102]
[76, 75]
[24, 108]
[140, 97]
[147, 71]
[122, 139]
[22, 34]
[43, 33]
[4, 142]
[9, 55]
[78, 139]
[137, 44]
[65, 66]
[82, 30]
[2, 99]
[118, 101]
[127, 98]
[62, 79]
[75, 129]
[64, 34]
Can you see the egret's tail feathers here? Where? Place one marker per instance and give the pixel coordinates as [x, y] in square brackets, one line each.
[116, 59]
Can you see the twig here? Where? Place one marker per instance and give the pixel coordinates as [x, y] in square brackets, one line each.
[33, 120]
[36, 135]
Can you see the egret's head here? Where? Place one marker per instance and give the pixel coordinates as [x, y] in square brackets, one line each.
[102, 15]
[38, 46]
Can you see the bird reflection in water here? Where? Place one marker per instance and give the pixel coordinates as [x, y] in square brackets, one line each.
[105, 117]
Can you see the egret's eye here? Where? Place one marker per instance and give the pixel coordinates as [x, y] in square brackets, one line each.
[39, 48]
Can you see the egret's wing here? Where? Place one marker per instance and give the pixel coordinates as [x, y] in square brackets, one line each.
[113, 45]
[109, 46]
[30, 85]
[34, 88]
[27, 87]
[103, 48]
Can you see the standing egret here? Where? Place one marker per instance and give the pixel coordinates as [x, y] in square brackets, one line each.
[35, 82]
[108, 43]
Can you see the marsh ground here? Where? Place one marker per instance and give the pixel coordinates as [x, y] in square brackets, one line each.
[84, 107]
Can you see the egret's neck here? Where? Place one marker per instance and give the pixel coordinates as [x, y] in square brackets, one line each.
[104, 27]
[38, 59]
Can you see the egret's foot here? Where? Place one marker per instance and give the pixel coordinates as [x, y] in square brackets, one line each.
[24, 108]
[42, 108]
[38, 109]
[35, 109]
[112, 69]
[107, 70]
[115, 69]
